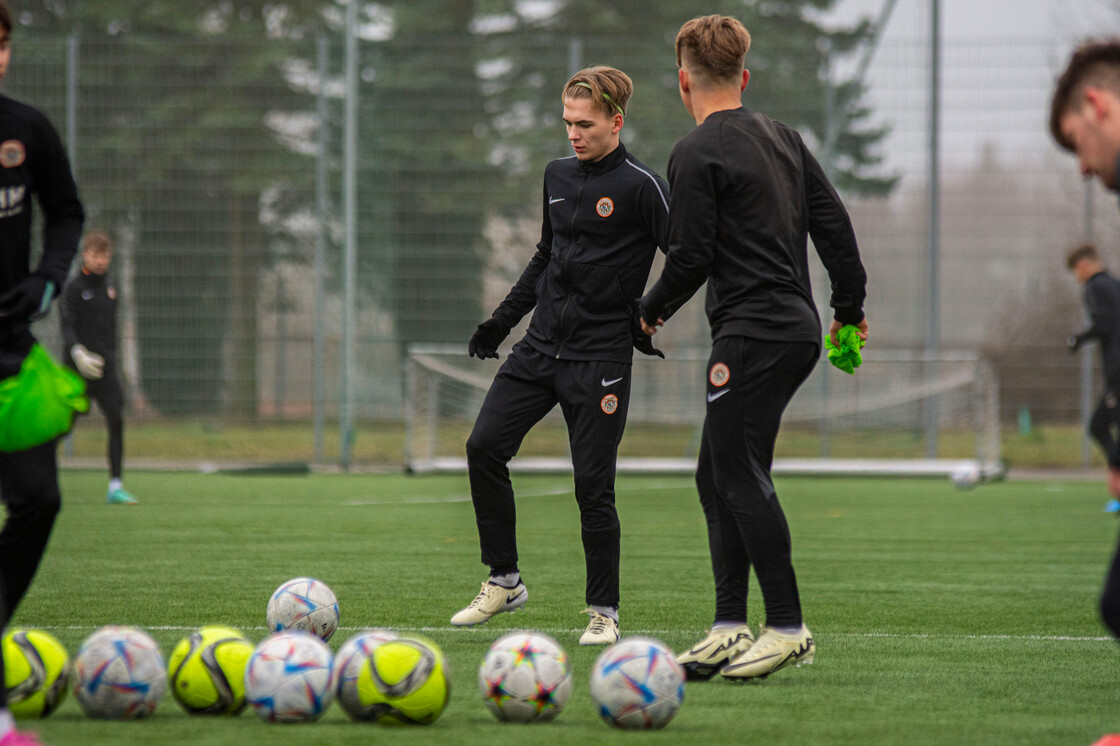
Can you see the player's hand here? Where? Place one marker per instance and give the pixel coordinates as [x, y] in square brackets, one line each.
[836, 326]
[89, 364]
[644, 344]
[29, 300]
[484, 343]
[646, 320]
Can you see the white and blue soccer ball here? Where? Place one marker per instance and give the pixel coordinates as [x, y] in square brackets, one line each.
[525, 678]
[637, 684]
[351, 659]
[303, 604]
[290, 678]
[119, 674]
[966, 477]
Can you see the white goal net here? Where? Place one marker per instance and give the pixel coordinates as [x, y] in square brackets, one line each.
[902, 413]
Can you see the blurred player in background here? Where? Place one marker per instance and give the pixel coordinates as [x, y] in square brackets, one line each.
[89, 331]
[1085, 120]
[1102, 301]
[605, 215]
[747, 194]
[32, 161]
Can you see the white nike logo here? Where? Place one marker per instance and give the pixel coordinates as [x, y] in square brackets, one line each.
[605, 382]
[552, 201]
[712, 397]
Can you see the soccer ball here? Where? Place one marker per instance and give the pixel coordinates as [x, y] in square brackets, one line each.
[303, 604]
[352, 659]
[119, 674]
[966, 477]
[637, 683]
[36, 672]
[404, 681]
[290, 678]
[207, 671]
[525, 678]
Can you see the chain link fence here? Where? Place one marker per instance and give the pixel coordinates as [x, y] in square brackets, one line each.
[201, 161]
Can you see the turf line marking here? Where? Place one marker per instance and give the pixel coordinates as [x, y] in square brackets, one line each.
[653, 632]
[452, 499]
[427, 500]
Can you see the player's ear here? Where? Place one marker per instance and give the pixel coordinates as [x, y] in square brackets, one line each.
[682, 78]
[746, 79]
[616, 123]
[1098, 102]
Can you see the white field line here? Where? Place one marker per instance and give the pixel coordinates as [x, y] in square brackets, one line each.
[555, 491]
[650, 632]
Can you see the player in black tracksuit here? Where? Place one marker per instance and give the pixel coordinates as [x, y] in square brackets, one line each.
[1102, 301]
[605, 215]
[747, 194]
[89, 331]
[32, 161]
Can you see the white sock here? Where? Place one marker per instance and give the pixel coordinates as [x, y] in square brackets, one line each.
[611, 611]
[509, 580]
[787, 630]
[7, 722]
[115, 484]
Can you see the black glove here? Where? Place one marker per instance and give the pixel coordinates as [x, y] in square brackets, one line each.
[28, 301]
[1073, 341]
[643, 342]
[490, 333]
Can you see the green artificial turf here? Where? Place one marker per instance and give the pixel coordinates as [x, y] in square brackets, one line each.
[941, 616]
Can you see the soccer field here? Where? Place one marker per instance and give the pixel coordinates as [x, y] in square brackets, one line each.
[941, 617]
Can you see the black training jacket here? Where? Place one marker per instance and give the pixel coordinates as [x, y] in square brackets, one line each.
[747, 194]
[1102, 300]
[89, 316]
[603, 223]
[32, 161]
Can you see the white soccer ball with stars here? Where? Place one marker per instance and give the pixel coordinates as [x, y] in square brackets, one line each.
[119, 674]
[303, 604]
[525, 678]
[290, 678]
[637, 684]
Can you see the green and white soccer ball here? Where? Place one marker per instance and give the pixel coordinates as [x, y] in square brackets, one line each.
[305, 604]
[401, 682]
[525, 678]
[206, 671]
[119, 674]
[36, 672]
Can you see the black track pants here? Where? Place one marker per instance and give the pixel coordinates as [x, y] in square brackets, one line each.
[29, 491]
[106, 391]
[750, 383]
[1104, 426]
[594, 397]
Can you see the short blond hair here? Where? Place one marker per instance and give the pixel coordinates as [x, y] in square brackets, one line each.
[97, 241]
[609, 89]
[714, 47]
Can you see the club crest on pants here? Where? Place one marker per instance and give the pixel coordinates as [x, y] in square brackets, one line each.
[719, 375]
[609, 404]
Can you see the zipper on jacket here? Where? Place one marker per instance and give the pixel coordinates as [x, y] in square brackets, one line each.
[568, 299]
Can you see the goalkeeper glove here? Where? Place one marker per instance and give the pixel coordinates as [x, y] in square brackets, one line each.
[89, 364]
[484, 342]
[643, 342]
[30, 300]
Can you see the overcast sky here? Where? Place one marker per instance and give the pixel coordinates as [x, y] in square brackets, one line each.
[999, 62]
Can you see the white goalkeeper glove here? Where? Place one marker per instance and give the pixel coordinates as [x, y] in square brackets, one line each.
[89, 364]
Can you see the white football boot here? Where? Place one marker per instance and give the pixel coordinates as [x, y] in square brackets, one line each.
[601, 630]
[715, 651]
[771, 652]
[491, 600]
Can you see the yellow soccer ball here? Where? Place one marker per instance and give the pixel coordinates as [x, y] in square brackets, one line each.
[36, 672]
[404, 683]
[207, 671]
